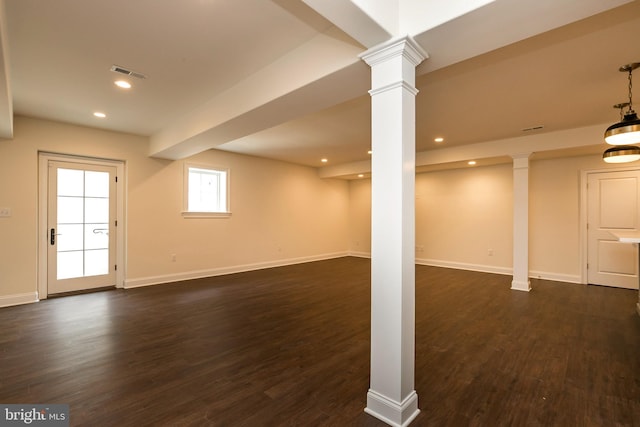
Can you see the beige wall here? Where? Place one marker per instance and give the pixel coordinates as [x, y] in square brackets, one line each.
[360, 216]
[461, 214]
[281, 213]
[554, 214]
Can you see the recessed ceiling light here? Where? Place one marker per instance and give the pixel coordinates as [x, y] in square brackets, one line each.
[471, 162]
[360, 175]
[99, 114]
[123, 84]
[324, 160]
[439, 139]
[369, 152]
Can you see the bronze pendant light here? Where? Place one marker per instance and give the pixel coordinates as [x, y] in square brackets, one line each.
[626, 131]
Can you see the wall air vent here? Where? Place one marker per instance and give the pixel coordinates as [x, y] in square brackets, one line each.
[127, 72]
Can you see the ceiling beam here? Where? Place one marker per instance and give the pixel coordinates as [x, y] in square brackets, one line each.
[314, 76]
[498, 24]
[579, 138]
[369, 23]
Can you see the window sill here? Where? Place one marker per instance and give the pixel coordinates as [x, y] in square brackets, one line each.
[186, 214]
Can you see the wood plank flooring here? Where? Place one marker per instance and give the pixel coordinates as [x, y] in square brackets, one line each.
[289, 346]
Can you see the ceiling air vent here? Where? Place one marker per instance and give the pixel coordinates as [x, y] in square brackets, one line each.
[532, 128]
[127, 72]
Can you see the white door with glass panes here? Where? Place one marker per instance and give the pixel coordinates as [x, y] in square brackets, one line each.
[81, 218]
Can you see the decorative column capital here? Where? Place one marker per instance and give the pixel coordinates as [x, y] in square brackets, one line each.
[405, 46]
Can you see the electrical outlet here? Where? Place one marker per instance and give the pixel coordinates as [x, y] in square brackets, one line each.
[5, 212]
[490, 252]
[173, 257]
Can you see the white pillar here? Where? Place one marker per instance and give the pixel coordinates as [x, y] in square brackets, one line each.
[521, 223]
[391, 395]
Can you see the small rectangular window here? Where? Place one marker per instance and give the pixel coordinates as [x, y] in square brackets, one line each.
[206, 191]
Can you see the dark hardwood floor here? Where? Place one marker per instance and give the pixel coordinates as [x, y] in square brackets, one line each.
[290, 347]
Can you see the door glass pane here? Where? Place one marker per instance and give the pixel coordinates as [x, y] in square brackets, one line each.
[69, 237]
[96, 262]
[69, 265]
[70, 182]
[96, 236]
[96, 210]
[96, 184]
[70, 210]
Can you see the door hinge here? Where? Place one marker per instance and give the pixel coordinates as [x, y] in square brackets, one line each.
[116, 178]
[116, 221]
[587, 266]
[116, 267]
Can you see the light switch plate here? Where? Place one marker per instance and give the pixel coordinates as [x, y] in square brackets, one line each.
[5, 212]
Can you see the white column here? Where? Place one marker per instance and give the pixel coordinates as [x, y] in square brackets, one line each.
[391, 395]
[521, 223]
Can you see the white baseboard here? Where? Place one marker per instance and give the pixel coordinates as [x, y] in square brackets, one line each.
[508, 271]
[465, 266]
[198, 274]
[360, 254]
[18, 299]
[556, 277]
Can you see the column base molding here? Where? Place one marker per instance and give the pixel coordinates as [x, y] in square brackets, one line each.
[391, 412]
[518, 285]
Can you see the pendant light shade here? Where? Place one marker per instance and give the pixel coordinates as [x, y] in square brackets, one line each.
[624, 132]
[622, 154]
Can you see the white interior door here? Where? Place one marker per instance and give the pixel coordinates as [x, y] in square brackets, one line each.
[81, 221]
[612, 205]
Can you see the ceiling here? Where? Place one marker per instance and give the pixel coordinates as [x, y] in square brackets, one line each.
[276, 79]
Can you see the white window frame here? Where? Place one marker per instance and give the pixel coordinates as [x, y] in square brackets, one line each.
[186, 212]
